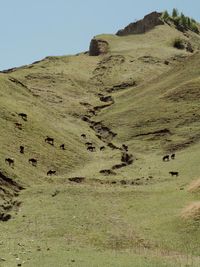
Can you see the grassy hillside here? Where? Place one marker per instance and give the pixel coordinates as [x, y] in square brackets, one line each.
[134, 105]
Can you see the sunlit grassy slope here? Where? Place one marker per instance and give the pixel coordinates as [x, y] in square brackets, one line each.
[131, 218]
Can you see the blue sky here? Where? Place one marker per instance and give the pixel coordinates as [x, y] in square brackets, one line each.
[33, 29]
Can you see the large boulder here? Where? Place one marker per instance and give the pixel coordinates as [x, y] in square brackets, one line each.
[98, 47]
[147, 23]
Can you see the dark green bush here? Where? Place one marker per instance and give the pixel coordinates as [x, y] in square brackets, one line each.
[178, 43]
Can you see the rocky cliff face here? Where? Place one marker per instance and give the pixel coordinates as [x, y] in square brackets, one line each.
[98, 47]
[147, 23]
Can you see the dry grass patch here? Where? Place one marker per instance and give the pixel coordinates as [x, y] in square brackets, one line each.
[194, 186]
[192, 211]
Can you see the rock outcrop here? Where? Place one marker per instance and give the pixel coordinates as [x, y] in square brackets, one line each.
[98, 47]
[147, 23]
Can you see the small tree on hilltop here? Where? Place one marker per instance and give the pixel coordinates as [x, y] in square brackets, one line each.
[188, 22]
[165, 15]
[183, 20]
[175, 13]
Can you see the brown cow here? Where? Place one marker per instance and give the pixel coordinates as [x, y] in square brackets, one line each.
[18, 125]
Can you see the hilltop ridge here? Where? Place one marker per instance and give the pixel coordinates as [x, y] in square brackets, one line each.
[147, 23]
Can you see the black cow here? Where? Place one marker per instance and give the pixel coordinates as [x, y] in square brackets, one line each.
[23, 116]
[173, 156]
[62, 146]
[21, 149]
[91, 148]
[50, 172]
[174, 173]
[33, 162]
[10, 161]
[166, 158]
[49, 140]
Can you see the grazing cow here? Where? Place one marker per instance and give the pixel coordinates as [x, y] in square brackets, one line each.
[21, 149]
[125, 147]
[102, 148]
[83, 135]
[23, 116]
[49, 140]
[62, 146]
[50, 172]
[166, 158]
[173, 156]
[91, 148]
[10, 161]
[174, 173]
[18, 125]
[33, 162]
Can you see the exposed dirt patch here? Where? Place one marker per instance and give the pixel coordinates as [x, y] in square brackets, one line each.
[98, 108]
[106, 98]
[77, 179]
[161, 132]
[121, 86]
[102, 130]
[113, 146]
[9, 190]
[119, 166]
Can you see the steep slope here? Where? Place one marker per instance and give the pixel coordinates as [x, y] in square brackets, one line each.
[112, 201]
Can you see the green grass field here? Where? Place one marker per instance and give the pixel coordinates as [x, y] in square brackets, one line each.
[131, 216]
